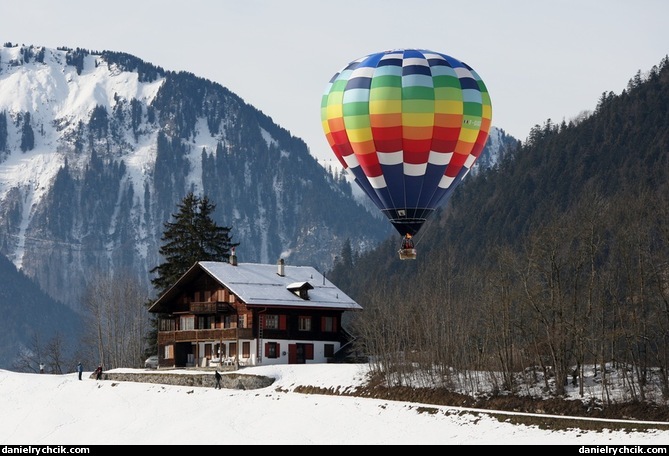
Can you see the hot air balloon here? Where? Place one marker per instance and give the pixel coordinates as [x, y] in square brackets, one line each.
[408, 124]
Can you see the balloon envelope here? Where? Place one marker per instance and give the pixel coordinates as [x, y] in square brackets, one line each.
[408, 124]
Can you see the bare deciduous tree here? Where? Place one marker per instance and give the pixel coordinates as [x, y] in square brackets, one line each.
[117, 321]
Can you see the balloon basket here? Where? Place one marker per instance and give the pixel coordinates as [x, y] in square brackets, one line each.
[407, 254]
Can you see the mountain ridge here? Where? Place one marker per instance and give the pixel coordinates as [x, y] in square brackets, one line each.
[123, 148]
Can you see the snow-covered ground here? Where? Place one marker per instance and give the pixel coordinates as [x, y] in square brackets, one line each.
[44, 409]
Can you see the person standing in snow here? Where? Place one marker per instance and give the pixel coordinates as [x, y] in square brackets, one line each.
[98, 372]
[218, 379]
[80, 369]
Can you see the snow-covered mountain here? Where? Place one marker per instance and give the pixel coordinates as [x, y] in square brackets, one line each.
[498, 144]
[98, 148]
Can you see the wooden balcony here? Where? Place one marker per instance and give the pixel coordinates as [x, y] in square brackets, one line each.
[204, 335]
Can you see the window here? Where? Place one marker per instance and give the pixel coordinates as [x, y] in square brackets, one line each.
[271, 350]
[329, 324]
[246, 349]
[229, 321]
[328, 350]
[186, 322]
[304, 323]
[168, 325]
[271, 322]
[241, 321]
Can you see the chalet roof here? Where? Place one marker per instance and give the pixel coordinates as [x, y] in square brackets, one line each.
[261, 285]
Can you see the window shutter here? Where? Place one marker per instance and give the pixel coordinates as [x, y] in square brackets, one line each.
[282, 322]
[309, 351]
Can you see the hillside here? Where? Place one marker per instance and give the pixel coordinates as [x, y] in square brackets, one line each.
[552, 260]
[32, 322]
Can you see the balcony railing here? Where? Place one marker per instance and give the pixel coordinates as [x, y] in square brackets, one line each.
[195, 335]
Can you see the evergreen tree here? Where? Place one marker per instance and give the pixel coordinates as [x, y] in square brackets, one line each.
[193, 236]
[3, 131]
[27, 135]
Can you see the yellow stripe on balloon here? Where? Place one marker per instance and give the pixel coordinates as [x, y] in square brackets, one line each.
[487, 112]
[385, 106]
[449, 106]
[334, 110]
[468, 134]
[359, 135]
[410, 119]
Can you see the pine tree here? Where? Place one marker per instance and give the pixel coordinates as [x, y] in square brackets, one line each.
[27, 135]
[193, 236]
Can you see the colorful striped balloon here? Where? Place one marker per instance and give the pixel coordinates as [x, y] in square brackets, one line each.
[408, 124]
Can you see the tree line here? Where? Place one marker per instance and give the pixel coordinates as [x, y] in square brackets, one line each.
[573, 294]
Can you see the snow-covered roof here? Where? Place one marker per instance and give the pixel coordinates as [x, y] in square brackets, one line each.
[261, 285]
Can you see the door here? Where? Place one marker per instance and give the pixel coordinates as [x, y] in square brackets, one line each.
[296, 354]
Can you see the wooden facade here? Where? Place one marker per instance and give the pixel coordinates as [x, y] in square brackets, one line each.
[204, 323]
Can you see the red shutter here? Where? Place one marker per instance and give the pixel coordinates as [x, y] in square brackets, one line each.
[308, 351]
[266, 349]
[324, 325]
[282, 322]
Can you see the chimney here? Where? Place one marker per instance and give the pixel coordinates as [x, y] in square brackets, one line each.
[233, 257]
[281, 268]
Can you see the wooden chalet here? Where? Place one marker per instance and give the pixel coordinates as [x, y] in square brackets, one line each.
[247, 314]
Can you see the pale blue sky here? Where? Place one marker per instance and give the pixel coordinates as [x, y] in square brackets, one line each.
[539, 60]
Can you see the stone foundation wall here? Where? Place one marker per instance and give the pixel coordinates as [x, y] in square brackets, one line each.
[231, 380]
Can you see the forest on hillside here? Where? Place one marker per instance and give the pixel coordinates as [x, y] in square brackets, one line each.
[556, 259]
